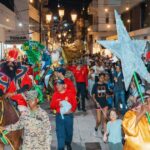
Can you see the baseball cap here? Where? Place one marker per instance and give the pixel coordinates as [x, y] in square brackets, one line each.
[60, 70]
[59, 81]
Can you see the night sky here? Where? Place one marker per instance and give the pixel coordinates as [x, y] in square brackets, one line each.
[69, 5]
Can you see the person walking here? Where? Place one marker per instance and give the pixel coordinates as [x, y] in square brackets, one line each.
[64, 122]
[113, 133]
[81, 79]
[119, 90]
[99, 93]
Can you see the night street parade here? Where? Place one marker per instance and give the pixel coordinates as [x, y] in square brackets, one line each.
[74, 74]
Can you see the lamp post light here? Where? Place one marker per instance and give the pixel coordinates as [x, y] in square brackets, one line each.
[59, 35]
[64, 34]
[48, 17]
[48, 21]
[74, 16]
[62, 25]
[61, 12]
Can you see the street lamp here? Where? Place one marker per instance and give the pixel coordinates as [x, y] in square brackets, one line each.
[48, 20]
[64, 34]
[74, 16]
[48, 17]
[61, 12]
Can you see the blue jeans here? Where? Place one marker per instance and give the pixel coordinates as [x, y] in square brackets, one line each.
[110, 102]
[120, 95]
[64, 130]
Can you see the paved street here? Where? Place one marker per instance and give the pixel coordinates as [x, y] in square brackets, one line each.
[83, 131]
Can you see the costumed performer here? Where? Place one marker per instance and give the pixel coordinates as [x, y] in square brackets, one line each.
[17, 79]
[136, 126]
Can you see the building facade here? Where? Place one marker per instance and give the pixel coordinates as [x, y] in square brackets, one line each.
[28, 23]
[103, 24]
[7, 22]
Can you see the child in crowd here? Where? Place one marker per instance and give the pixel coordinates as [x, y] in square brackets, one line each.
[113, 133]
[91, 80]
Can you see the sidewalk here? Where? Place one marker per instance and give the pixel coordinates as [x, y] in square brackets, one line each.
[84, 124]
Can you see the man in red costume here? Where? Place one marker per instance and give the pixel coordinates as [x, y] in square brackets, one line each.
[14, 80]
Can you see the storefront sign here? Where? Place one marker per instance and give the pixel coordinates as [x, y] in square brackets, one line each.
[16, 39]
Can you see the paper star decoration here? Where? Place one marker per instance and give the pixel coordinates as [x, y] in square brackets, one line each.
[129, 52]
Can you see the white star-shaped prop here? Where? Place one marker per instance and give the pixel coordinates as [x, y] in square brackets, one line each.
[129, 52]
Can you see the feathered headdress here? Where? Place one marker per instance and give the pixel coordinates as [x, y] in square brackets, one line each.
[33, 51]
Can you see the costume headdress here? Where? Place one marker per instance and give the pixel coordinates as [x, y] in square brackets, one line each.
[33, 51]
[12, 55]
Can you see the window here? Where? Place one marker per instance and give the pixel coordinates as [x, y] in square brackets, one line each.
[107, 18]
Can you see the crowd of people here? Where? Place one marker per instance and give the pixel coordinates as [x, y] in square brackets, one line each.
[119, 113]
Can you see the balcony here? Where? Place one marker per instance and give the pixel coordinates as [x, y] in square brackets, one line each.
[34, 13]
